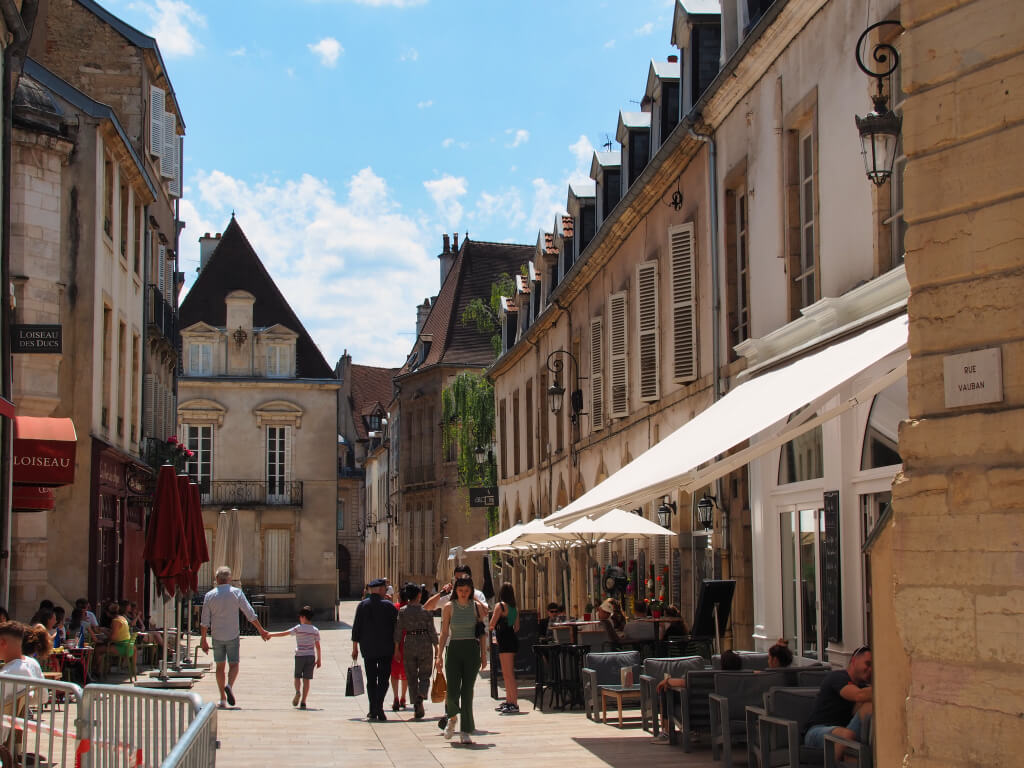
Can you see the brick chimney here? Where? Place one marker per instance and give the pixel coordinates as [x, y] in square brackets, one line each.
[207, 245]
[421, 315]
[447, 256]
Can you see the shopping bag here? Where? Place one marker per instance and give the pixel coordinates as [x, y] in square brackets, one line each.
[439, 690]
[354, 684]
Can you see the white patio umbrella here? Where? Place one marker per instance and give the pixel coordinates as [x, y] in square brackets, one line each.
[612, 525]
[227, 546]
[538, 535]
[501, 541]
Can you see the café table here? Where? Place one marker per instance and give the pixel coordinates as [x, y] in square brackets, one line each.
[619, 693]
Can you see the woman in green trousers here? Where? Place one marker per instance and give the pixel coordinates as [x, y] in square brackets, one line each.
[463, 652]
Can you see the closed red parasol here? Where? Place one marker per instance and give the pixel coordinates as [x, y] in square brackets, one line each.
[195, 535]
[165, 537]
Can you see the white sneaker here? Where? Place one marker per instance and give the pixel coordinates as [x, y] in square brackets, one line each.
[464, 738]
[449, 730]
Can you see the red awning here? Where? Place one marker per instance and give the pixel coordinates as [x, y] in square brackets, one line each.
[32, 498]
[44, 451]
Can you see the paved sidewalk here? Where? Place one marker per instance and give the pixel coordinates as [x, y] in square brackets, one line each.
[264, 729]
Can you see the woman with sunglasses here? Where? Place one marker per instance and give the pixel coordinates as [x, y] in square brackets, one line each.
[462, 658]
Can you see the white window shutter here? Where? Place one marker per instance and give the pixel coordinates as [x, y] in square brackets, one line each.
[647, 329]
[156, 120]
[161, 267]
[148, 397]
[174, 186]
[618, 369]
[684, 327]
[597, 372]
[170, 143]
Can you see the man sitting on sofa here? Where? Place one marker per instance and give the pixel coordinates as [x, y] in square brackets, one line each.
[843, 704]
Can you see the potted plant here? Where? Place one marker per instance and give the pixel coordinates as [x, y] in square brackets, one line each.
[587, 611]
[656, 607]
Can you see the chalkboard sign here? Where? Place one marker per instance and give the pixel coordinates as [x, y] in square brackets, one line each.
[831, 571]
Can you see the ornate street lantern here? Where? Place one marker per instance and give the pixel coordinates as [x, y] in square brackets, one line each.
[880, 129]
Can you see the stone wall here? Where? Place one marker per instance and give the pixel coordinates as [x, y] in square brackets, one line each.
[953, 671]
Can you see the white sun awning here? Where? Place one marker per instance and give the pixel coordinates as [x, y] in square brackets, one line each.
[500, 541]
[750, 408]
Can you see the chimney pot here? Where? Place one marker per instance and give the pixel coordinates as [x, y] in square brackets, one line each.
[455, 243]
[447, 245]
[672, 59]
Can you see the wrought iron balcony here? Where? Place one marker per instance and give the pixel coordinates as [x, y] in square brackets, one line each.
[161, 314]
[414, 475]
[253, 492]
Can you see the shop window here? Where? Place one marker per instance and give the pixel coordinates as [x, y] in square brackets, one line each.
[881, 435]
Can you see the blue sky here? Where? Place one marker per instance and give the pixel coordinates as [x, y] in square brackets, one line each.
[348, 135]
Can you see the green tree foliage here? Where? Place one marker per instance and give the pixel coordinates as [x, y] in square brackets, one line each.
[486, 316]
[468, 424]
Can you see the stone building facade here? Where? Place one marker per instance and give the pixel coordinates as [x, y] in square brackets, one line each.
[949, 669]
[426, 513]
[257, 404]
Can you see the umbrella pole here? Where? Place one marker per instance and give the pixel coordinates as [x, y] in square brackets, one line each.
[163, 659]
[177, 636]
[188, 631]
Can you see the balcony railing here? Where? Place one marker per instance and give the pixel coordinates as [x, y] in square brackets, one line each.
[161, 314]
[248, 492]
[424, 473]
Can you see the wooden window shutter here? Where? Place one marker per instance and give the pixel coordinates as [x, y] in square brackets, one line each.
[597, 372]
[647, 329]
[161, 268]
[170, 137]
[149, 404]
[618, 370]
[684, 330]
[156, 120]
[174, 186]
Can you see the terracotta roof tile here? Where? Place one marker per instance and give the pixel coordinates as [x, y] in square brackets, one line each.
[372, 388]
[567, 226]
[476, 267]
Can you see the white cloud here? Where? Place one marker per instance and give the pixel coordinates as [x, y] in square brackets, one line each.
[410, 55]
[425, 104]
[237, 52]
[173, 21]
[445, 192]
[504, 209]
[546, 203]
[448, 143]
[521, 137]
[330, 252]
[327, 50]
[646, 29]
[610, 44]
[583, 151]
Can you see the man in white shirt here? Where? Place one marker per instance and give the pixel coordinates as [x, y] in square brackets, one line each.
[442, 598]
[220, 618]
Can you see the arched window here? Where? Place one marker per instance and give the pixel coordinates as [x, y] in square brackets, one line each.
[802, 458]
[881, 435]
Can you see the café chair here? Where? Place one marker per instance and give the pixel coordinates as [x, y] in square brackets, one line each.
[734, 692]
[124, 651]
[774, 731]
[654, 671]
[605, 669]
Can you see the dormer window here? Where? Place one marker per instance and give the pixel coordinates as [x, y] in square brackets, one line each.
[662, 94]
[607, 172]
[373, 422]
[200, 358]
[698, 35]
[752, 11]
[279, 361]
[634, 133]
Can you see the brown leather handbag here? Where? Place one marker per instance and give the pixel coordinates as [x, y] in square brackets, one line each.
[439, 689]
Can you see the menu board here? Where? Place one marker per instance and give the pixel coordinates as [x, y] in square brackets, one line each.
[677, 578]
[831, 571]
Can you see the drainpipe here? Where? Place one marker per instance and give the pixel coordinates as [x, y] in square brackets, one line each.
[716, 299]
[19, 26]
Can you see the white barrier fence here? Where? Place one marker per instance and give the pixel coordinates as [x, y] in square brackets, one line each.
[103, 726]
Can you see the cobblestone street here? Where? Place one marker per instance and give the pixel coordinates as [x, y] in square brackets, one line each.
[264, 729]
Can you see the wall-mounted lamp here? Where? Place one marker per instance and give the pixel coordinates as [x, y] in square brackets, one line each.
[556, 391]
[880, 129]
[706, 511]
[665, 511]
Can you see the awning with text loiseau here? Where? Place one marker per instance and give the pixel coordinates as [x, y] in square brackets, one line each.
[44, 451]
[32, 498]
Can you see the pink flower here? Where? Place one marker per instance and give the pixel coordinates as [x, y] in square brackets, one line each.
[172, 440]
[190, 454]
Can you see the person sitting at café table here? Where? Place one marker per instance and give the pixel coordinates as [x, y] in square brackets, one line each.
[843, 704]
[675, 627]
[614, 622]
[779, 655]
[730, 662]
[555, 615]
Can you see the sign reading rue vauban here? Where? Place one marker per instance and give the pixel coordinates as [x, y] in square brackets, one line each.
[973, 378]
[483, 497]
[36, 339]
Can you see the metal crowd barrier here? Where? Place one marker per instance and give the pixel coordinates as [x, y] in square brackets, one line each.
[38, 722]
[197, 747]
[127, 727]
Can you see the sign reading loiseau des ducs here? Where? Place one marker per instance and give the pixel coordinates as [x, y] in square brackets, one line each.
[36, 339]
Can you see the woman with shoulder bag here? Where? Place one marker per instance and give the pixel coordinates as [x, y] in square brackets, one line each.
[462, 658]
[505, 625]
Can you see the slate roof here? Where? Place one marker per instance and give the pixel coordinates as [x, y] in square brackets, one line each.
[234, 266]
[477, 265]
[371, 387]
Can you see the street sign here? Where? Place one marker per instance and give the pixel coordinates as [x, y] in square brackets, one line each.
[36, 339]
[483, 497]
